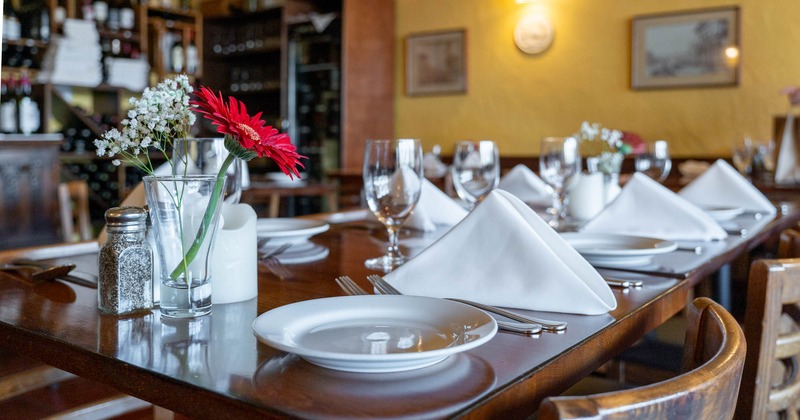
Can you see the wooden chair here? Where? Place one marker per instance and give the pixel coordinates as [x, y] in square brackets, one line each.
[73, 202]
[771, 381]
[789, 244]
[714, 354]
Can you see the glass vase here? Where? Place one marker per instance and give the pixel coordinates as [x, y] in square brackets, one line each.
[185, 213]
[204, 156]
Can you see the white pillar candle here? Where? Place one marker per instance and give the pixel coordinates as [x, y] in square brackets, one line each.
[587, 197]
[234, 259]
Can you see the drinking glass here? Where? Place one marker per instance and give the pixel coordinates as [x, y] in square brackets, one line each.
[655, 162]
[742, 157]
[475, 170]
[559, 164]
[392, 185]
[204, 156]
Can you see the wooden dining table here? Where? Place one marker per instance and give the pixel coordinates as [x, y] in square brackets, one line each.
[214, 367]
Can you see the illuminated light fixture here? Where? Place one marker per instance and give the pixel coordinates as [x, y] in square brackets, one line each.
[732, 52]
[533, 33]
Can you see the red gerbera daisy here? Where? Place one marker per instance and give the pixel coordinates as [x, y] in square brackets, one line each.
[251, 133]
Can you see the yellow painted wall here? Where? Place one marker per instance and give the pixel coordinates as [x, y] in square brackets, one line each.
[516, 99]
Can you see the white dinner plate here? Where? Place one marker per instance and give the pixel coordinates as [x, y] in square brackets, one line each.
[298, 253]
[374, 333]
[285, 229]
[722, 214]
[617, 250]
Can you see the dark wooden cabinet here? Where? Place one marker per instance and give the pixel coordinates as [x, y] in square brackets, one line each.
[29, 176]
[321, 70]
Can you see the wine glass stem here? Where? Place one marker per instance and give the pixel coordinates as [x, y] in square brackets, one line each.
[394, 248]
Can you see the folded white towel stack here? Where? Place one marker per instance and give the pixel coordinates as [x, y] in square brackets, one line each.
[74, 59]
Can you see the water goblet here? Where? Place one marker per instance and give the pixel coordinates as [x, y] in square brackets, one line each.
[475, 170]
[392, 186]
[742, 157]
[559, 164]
[655, 162]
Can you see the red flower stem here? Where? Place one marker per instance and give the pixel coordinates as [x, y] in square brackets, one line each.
[209, 214]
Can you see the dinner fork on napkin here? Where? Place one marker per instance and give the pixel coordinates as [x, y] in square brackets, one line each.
[503, 254]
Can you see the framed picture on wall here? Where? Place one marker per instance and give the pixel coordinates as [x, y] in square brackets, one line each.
[685, 49]
[436, 63]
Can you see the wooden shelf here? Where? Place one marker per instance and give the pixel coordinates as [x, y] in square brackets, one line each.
[26, 42]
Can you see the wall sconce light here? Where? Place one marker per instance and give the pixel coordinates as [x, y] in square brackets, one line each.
[533, 33]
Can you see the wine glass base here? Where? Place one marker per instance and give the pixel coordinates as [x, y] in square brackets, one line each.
[385, 263]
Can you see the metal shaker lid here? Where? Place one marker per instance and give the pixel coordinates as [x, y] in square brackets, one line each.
[126, 218]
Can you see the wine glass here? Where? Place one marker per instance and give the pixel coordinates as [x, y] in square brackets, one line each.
[392, 185]
[655, 162]
[742, 157]
[475, 170]
[559, 164]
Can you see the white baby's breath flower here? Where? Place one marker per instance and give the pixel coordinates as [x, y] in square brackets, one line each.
[158, 116]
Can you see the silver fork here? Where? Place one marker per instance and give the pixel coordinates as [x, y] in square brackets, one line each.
[277, 251]
[351, 288]
[547, 325]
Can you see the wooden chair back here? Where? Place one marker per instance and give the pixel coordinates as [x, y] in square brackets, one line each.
[771, 381]
[789, 244]
[73, 201]
[713, 357]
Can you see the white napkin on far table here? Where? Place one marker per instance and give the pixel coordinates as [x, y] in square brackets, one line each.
[526, 185]
[723, 186]
[503, 254]
[434, 208]
[647, 208]
[787, 170]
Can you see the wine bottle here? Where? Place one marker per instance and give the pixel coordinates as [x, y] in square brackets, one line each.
[127, 16]
[101, 13]
[27, 109]
[176, 55]
[191, 56]
[44, 25]
[8, 107]
[12, 29]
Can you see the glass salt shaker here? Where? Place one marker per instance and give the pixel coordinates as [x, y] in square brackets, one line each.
[125, 283]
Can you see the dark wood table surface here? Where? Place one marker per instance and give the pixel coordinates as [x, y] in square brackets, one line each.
[213, 367]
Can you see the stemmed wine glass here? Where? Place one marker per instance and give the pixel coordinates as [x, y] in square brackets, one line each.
[392, 185]
[475, 170]
[559, 163]
[656, 162]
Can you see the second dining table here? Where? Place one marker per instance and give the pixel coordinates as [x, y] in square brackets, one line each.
[214, 366]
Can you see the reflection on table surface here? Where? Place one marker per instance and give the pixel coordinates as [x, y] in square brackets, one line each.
[213, 366]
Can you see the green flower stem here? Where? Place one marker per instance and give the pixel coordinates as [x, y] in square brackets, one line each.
[209, 214]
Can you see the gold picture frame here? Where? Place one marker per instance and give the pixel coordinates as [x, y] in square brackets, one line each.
[698, 48]
[436, 63]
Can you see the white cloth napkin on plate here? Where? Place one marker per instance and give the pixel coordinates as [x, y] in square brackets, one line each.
[723, 186]
[787, 170]
[647, 208]
[526, 185]
[434, 208]
[503, 254]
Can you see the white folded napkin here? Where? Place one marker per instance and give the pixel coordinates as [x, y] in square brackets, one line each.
[527, 186]
[723, 186]
[647, 208]
[503, 254]
[434, 208]
[787, 170]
